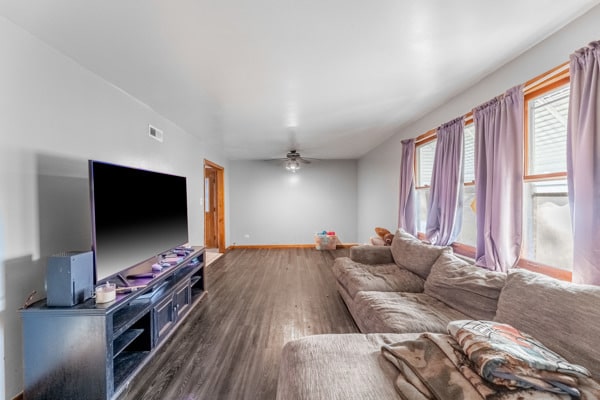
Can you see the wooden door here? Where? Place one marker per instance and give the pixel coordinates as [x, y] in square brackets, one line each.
[211, 226]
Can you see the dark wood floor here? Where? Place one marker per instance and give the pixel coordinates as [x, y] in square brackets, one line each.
[229, 346]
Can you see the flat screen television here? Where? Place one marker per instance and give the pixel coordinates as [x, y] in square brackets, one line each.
[136, 215]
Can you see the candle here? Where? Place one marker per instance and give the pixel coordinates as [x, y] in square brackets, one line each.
[106, 293]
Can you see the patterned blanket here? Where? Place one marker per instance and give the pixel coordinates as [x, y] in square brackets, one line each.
[505, 356]
[434, 366]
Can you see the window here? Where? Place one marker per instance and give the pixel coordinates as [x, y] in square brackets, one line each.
[468, 233]
[547, 234]
[547, 224]
[469, 153]
[547, 132]
[425, 154]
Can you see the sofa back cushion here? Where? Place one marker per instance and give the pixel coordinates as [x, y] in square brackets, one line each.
[366, 254]
[564, 316]
[472, 290]
[414, 255]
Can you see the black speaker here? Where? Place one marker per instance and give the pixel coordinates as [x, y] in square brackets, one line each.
[69, 278]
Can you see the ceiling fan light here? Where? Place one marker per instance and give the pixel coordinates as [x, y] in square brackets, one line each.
[292, 165]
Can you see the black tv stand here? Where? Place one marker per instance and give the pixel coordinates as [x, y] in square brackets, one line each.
[92, 351]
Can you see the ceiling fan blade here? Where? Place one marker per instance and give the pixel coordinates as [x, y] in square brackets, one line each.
[303, 160]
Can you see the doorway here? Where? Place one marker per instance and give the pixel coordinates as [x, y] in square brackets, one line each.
[214, 207]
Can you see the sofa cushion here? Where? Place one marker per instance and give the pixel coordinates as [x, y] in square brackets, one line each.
[356, 277]
[366, 254]
[471, 290]
[414, 255]
[338, 366]
[395, 312]
[564, 316]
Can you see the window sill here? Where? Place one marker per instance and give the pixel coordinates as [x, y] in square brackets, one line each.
[557, 273]
[523, 263]
[469, 252]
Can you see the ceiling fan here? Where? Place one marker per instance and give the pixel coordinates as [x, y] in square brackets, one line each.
[294, 159]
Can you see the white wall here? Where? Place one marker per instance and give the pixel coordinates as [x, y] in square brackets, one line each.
[272, 206]
[378, 186]
[386, 157]
[54, 115]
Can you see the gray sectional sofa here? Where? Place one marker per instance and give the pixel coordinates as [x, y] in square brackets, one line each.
[413, 287]
[396, 293]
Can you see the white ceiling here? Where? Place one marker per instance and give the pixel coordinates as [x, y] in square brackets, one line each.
[347, 74]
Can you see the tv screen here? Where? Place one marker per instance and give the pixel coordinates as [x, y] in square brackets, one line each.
[136, 215]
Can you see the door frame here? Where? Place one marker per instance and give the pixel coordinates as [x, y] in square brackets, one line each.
[220, 201]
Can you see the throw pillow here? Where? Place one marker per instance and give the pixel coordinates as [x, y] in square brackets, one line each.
[472, 290]
[414, 255]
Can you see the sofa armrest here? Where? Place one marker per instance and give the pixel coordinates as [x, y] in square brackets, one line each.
[367, 254]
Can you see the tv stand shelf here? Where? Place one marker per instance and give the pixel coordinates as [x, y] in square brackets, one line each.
[96, 349]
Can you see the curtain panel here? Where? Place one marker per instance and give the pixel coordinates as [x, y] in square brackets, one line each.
[499, 180]
[583, 162]
[407, 218]
[444, 211]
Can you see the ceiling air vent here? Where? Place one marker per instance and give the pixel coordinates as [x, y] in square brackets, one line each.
[155, 133]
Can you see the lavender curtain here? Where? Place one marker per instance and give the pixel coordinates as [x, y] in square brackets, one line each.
[583, 162]
[499, 180]
[407, 213]
[444, 212]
